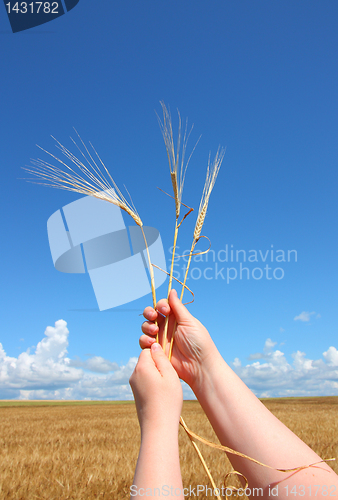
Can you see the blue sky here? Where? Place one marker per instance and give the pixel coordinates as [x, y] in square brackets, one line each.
[258, 78]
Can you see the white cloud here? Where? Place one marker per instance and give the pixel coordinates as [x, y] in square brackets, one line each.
[255, 355]
[304, 316]
[269, 344]
[95, 364]
[48, 366]
[301, 363]
[331, 356]
[237, 363]
[49, 374]
[276, 377]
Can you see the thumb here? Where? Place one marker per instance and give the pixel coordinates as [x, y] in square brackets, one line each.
[181, 313]
[160, 359]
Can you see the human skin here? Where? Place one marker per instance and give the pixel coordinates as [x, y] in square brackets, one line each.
[158, 396]
[239, 419]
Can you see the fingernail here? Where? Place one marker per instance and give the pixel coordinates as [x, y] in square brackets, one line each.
[155, 346]
[164, 309]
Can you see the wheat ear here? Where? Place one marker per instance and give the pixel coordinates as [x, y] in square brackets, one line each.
[87, 176]
[178, 168]
[212, 172]
[177, 172]
[211, 176]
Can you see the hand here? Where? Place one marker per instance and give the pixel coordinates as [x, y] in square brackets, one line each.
[193, 346]
[157, 391]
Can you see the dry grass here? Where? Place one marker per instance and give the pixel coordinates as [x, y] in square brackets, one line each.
[88, 452]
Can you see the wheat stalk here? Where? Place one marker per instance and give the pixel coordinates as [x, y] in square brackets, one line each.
[87, 176]
[200, 456]
[211, 176]
[178, 168]
[212, 172]
[177, 173]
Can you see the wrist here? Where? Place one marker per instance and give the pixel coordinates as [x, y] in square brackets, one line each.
[160, 431]
[206, 370]
[208, 373]
[159, 422]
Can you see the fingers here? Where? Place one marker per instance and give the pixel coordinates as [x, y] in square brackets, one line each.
[175, 305]
[146, 341]
[149, 328]
[181, 313]
[139, 368]
[160, 359]
[143, 359]
[162, 307]
[150, 314]
[150, 360]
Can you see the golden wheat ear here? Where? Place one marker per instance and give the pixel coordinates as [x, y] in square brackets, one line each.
[212, 173]
[211, 176]
[176, 155]
[178, 167]
[177, 173]
[89, 176]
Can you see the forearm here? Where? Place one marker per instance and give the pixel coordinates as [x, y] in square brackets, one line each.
[158, 465]
[244, 424]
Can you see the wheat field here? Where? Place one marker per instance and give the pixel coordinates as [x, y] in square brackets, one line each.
[88, 451]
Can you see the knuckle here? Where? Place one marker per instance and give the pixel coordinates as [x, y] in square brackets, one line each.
[149, 312]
